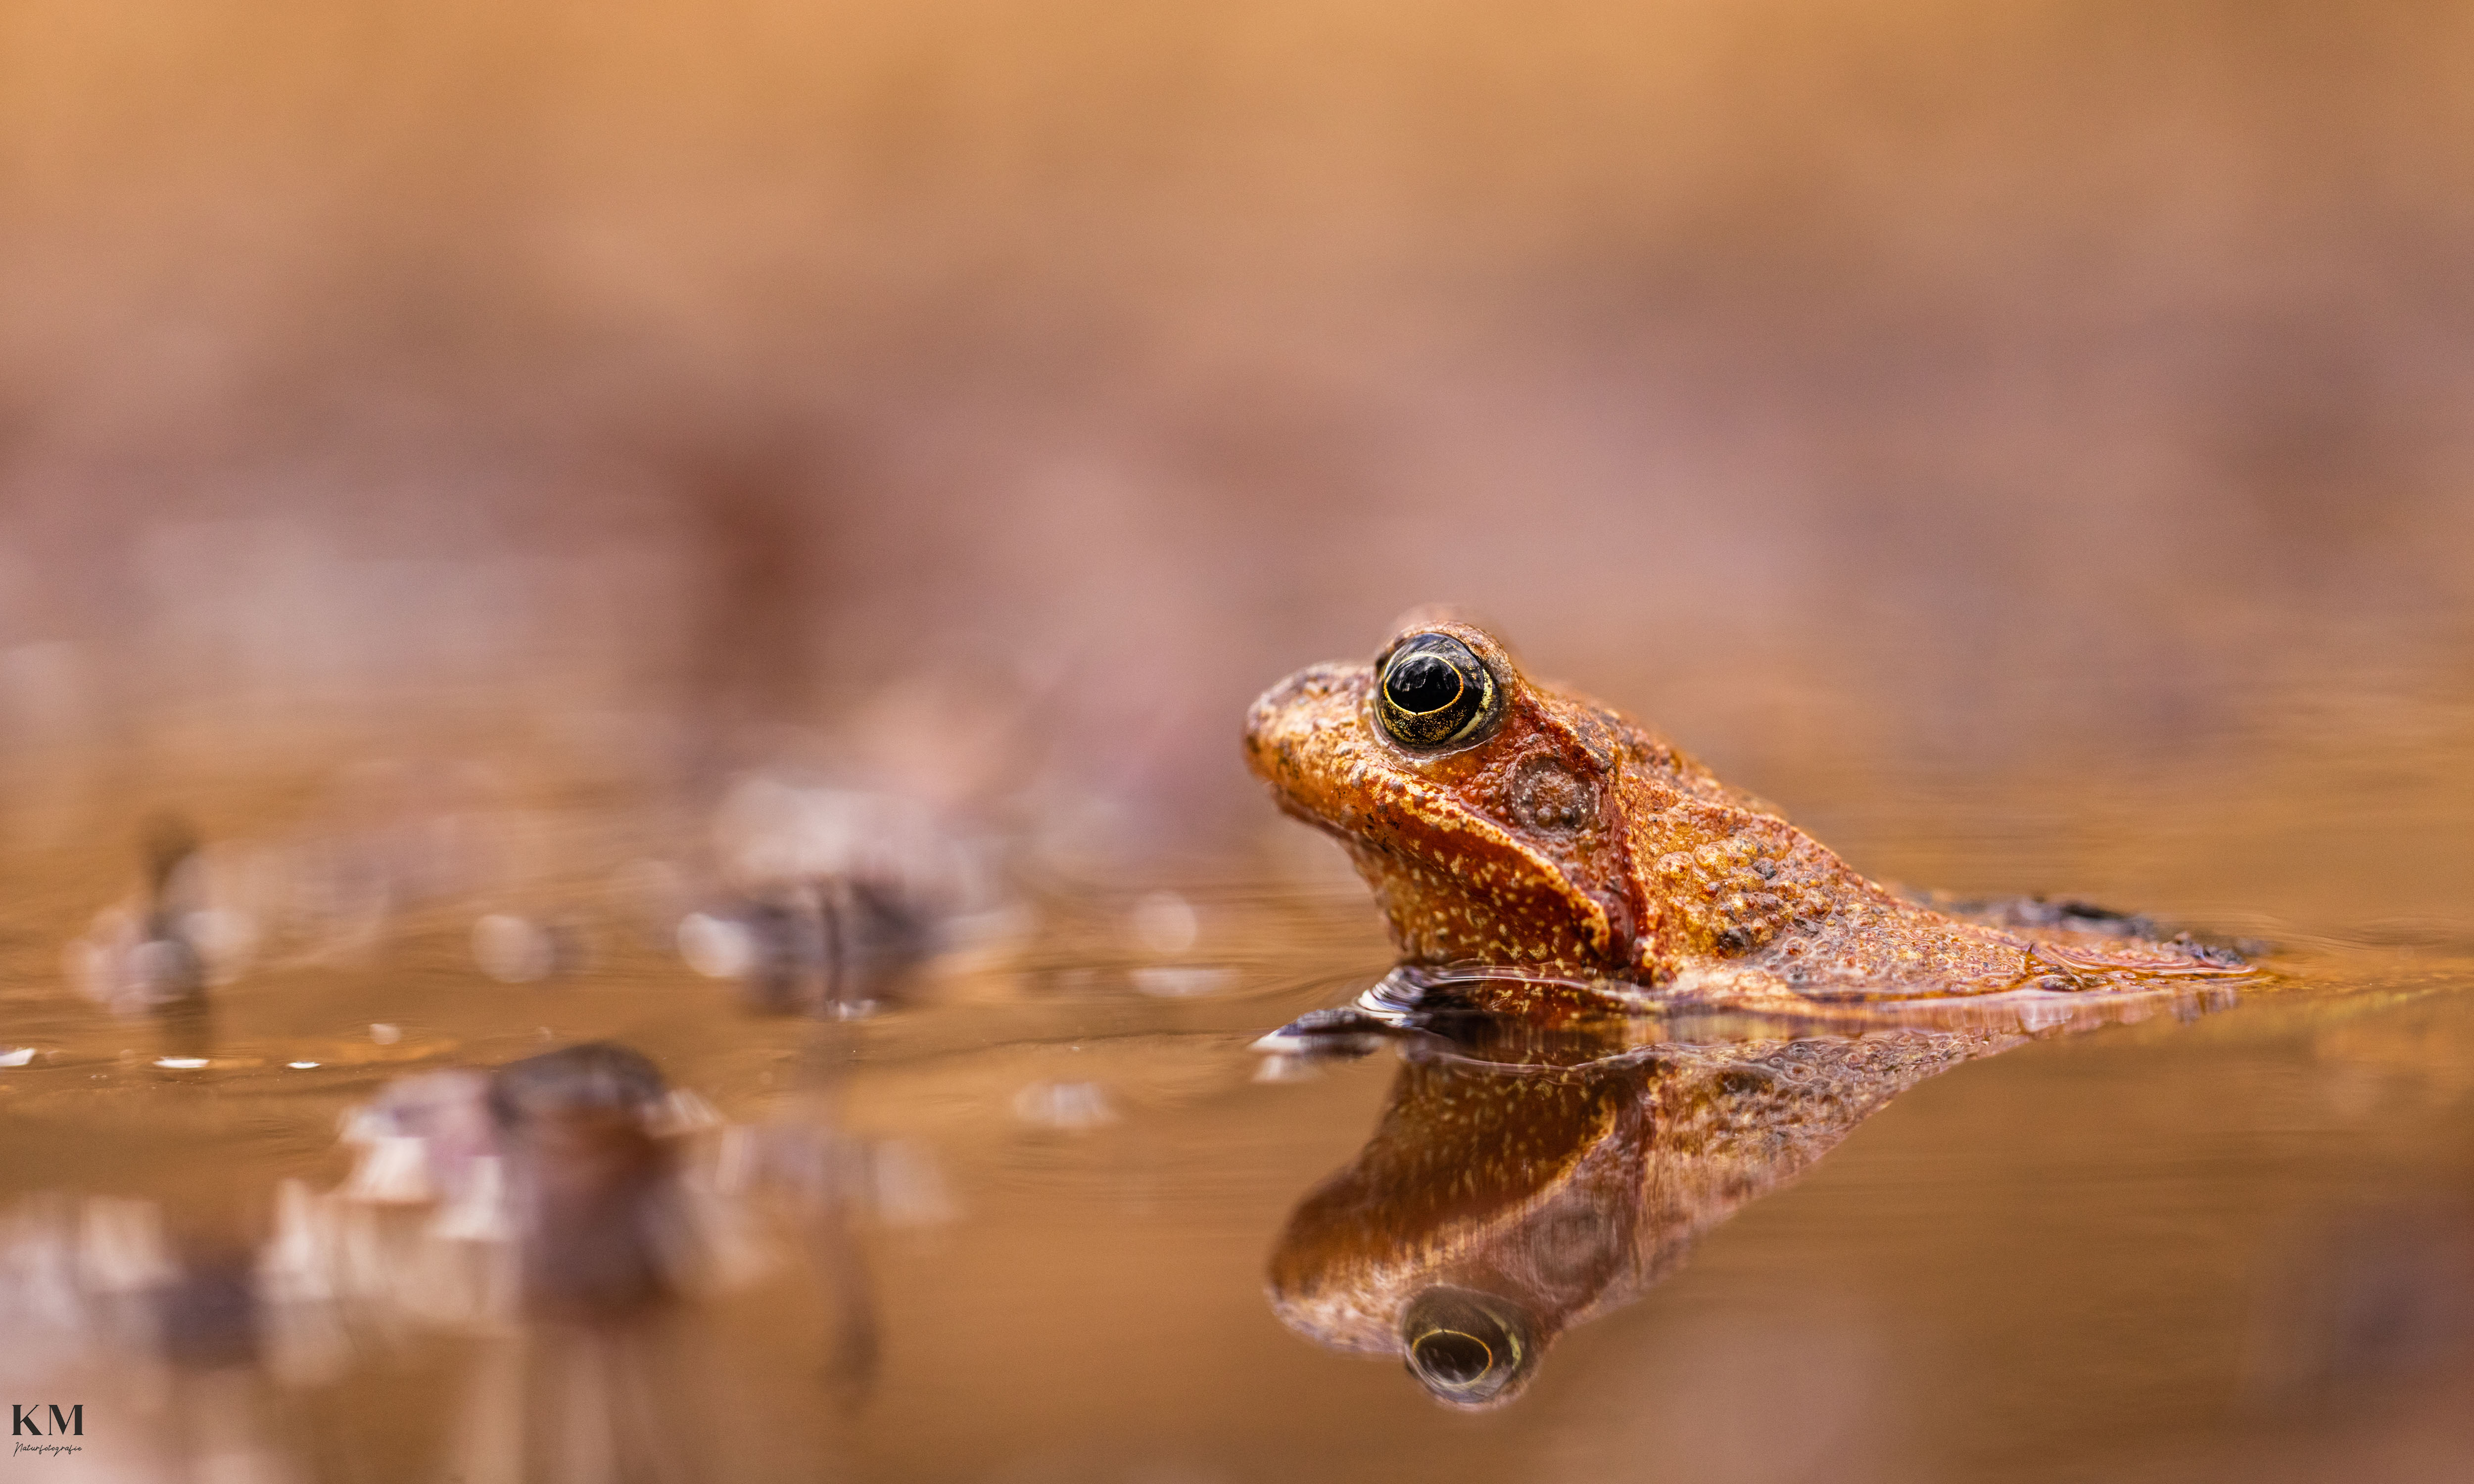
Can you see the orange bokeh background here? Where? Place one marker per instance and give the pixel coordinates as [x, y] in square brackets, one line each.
[1861, 392]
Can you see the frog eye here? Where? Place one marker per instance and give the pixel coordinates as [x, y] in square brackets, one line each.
[1465, 1348]
[1435, 692]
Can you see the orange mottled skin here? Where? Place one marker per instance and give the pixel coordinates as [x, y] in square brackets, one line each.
[1572, 840]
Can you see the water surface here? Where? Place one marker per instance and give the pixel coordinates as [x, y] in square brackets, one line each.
[1036, 1211]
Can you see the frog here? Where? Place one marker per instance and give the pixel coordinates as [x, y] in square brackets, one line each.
[1504, 821]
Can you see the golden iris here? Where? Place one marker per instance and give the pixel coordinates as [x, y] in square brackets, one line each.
[1435, 693]
[1467, 1348]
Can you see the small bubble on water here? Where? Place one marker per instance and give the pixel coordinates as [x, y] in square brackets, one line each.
[511, 949]
[907, 1187]
[716, 948]
[1063, 1105]
[1165, 923]
[1180, 982]
[1282, 1067]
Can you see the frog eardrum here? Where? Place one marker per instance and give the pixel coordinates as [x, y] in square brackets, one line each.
[1436, 693]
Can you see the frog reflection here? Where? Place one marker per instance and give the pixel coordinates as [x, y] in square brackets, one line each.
[1511, 1193]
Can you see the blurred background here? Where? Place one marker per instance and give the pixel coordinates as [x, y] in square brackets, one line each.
[2030, 442]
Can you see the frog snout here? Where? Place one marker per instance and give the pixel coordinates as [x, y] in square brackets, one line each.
[1316, 682]
[1284, 717]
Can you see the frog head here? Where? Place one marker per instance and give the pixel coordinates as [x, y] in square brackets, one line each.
[1487, 810]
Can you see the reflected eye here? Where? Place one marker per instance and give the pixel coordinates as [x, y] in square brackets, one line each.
[1435, 693]
[1466, 1348]
[1451, 1359]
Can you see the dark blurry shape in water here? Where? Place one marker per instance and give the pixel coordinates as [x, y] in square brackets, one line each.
[209, 1315]
[561, 1207]
[590, 1183]
[830, 1181]
[563, 1213]
[1525, 1179]
[600, 1232]
[831, 946]
[396, 835]
[833, 896]
[160, 952]
[170, 843]
[166, 960]
[182, 1322]
[576, 1205]
[830, 1192]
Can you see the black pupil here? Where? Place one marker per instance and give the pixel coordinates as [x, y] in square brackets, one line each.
[1422, 683]
[1453, 1358]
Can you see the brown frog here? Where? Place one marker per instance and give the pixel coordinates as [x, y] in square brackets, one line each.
[1505, 822]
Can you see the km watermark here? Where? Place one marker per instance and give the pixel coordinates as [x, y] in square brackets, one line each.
[28, 1421]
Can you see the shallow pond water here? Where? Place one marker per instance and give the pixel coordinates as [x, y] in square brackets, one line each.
[1039, 1209]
